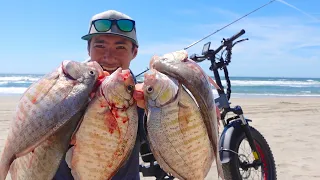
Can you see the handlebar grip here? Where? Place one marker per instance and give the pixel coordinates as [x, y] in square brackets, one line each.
[237, 35]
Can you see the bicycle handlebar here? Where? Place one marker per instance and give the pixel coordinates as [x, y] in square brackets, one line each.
[211, 55]
[236, 36]
[227, 42]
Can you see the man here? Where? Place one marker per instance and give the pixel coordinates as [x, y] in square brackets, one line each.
[112, 42]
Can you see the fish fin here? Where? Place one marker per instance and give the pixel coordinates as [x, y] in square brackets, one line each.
[73, 139]
[180, 55]
[161, 161]
[219, 167]
[213, 83]
[70, 162]
[68, 157]
[14, 171]
[5, 166]
[153, 58]
[183, 105]
[31, 159]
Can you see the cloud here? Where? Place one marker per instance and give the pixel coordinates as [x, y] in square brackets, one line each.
[300, 10]
[277, 46]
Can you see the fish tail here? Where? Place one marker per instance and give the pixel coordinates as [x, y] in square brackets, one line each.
[219, 166]
[5, 166]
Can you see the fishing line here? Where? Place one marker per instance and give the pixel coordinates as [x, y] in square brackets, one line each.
[230, 24]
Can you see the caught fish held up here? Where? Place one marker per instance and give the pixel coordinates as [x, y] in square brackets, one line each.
[108, 130]
[43, 162]
[46, 106]
[191, 75]
[175, 129]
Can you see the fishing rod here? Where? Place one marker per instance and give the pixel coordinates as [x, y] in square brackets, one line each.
[229, 24]
[142, 72]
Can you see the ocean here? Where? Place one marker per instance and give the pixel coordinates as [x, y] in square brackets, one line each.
[16, 84]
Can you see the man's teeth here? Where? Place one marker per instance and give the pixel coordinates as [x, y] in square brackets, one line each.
[110, 69]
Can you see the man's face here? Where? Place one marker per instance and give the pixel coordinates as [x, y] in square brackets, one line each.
[112, 51]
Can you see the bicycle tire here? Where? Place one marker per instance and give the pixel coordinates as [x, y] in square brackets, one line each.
[231, 169]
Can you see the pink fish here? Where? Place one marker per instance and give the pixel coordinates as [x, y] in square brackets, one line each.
[47, 106]
[192, 76]
[108, 130]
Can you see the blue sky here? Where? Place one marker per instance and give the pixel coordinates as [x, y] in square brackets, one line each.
[283, 42]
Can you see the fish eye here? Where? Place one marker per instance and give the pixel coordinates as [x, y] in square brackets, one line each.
[149, 89]
[130, 88]
[91, 73]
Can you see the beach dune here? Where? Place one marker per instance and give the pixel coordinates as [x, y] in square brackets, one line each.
[289, 124]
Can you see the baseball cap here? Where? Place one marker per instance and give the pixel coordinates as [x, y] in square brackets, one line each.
[112, 15]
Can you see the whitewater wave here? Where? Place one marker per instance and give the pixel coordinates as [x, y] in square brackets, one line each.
[18, 79]
[275, 83]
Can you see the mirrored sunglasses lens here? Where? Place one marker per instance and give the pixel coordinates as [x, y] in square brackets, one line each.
[102, 25]
[125, 25]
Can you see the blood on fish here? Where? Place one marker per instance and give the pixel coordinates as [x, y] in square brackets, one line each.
[102, 104]
[110, 165]
[21, 113]
[125, 119]
[111, 123]
[73, 140]
[115, 112]
[125, 75]
[34, 100]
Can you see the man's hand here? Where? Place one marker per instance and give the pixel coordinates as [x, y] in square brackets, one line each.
[139, 96]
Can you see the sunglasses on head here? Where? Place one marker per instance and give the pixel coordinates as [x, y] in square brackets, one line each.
[103, 25]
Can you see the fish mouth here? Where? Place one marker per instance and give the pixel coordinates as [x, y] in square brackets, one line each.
[64, 67]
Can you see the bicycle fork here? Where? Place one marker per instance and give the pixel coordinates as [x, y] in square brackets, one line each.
[245, 125]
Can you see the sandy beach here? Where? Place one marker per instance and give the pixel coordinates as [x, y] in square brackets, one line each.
[289, 124]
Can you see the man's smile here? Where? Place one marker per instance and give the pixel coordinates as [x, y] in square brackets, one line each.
[109, 68]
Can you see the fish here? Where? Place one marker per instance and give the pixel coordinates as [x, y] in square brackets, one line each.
[175, 129]
[46, 106]
[44, 161]
[108, 131]
[178, 66]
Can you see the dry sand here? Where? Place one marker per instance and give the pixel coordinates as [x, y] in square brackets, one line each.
[290, 125]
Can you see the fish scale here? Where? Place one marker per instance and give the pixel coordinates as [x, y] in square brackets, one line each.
[107, 134]
[176, 131]
[191, 75]
[34, 165]
[36, 112]
[48, 104]
[186, 149]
